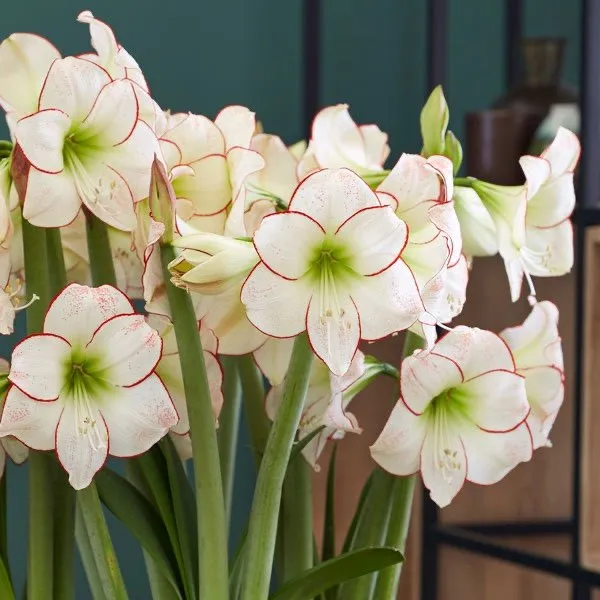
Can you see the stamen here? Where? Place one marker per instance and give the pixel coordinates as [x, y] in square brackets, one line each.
[445, 458]
[85, 424]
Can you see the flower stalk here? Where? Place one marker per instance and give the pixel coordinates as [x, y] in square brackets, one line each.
[212, 543]
[262, 530]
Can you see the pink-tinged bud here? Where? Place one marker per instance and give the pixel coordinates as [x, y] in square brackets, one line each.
[20, 171]
[162, 199]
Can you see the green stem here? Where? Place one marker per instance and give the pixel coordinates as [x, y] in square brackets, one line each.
[402, 496]
[3, 521]
[229, 424]
[64, 495]
[101, 261]
[98, 538]
[297, 519]
[212, 526]
[253, 394]
[371, 532]
[262, 530]
[464, 181]
[40, 546]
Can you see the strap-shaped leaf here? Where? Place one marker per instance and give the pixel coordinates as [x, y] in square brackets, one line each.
[139, 516]
[360, 507]
[301, 444]
[338, 570]
[6, 588]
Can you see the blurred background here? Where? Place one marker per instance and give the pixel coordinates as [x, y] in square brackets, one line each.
[200, 55]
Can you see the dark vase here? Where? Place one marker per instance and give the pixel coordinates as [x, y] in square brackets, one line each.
[496, 138]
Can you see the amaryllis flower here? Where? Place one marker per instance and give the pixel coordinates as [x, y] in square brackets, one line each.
[332, 266]
[327, 398]
[535, 236]
[461, 415]
[169, 370]
[337, 141]
[86, 386]
[86, 145]
[25, 59]
[420, 192]
[9, 446]
[537, 349]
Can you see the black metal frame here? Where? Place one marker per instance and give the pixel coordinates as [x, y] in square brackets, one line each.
[481, 538]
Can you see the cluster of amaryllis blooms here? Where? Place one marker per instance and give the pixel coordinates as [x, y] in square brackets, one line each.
[270, 241]
[249, 252]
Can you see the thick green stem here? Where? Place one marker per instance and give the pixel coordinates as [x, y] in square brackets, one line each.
[297, 519]
[100, 544]
[3, 521]
[229, 425]
[262, 530]
[402, 496]
[464, 181]
[101, 261]
[253, 394]
[40, 546]
[210, 507]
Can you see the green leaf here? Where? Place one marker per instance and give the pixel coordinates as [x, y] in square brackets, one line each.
[454, 151]
[129, 506]
[434, 122]
[360, 507]
[301, 444]
[329, 525]
[87, 558]
[184, 508]
[338, 570]
[6, 588]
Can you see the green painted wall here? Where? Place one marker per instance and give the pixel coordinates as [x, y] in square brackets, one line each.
[200, 55]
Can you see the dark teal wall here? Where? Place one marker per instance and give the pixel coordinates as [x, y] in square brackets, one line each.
[200, 55]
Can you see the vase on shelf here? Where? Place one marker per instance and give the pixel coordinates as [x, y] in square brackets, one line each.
[525, 118]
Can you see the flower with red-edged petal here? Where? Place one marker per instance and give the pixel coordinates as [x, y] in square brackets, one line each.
[535, 235]
[337, 141]
[461, 415]
[87, 386]
[331, 265]
[86, 145]
[10, 446]
[537, 348]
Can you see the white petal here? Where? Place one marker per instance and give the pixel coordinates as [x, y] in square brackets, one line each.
[536, 342]
[103, 38]
[208, 189]
[496, 400]
[424, 376]
[50, 200]
[237, 123]
[334, 338]
[24, 62]
[276, 306]
[17, 451]
[549, 252]
[137, 417]
[443, 483]
[376, 144]
[387, 302]
[214, 374]
[553, 204]
[242, 163]
[37, 366]
[31, 421]
[515, 274]
[331, 196]
[195, 136]
[475, 350]
[128, 349]
[476, 225]
[273, 359]
[444, 217]
[286, 243]
[537, 173]
[491, 456]
[72, 85]
[79, 310]
[42, 136]
[81, 458]
[563, 153]
[374, 238]
[398, 447]
[113, 116]
[169, 371]
[183, 445]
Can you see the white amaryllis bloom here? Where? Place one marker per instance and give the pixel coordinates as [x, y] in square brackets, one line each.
[331, 265]
[420, 192]
[327, 398]
[461, 415]
[169, 370]
[337, 141]
[208, 163]
[479, 237]
[25, 59]
[86, 386]
[537, 349]
[535, 236]
[9, 445]
[86, 144]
